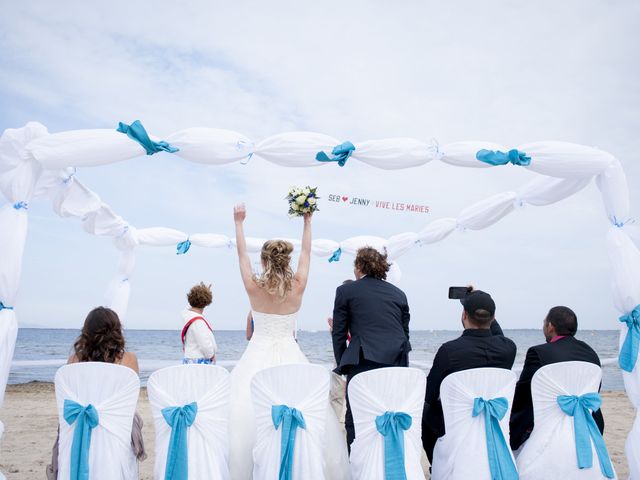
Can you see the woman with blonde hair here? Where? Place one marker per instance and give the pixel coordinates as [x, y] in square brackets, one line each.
[275, 297]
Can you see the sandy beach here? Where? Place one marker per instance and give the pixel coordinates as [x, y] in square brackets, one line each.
[30, 419]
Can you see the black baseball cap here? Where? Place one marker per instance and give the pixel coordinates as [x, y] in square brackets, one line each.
[478, 300]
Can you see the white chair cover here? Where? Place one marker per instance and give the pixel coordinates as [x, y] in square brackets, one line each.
[396, 389]
[113, 391]
[550, 451]
[462, 452]
[304, 387]
[207, 438]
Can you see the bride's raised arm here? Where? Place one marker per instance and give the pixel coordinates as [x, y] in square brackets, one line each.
[239, 214]
[305, 253]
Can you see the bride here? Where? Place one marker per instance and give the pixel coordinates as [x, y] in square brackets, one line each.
[275, 299]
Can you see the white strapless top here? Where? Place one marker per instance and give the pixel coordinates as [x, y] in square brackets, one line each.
[273, 326]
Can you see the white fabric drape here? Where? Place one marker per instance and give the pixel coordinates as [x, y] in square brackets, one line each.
[207, 438]
[304, 387]
[373, 393]
[462, 452]
[550, 451]
[113, 390]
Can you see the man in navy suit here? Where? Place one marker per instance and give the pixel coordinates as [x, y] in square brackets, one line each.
[376, 315]
[559, 328]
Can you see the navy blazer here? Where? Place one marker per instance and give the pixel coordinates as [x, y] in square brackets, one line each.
[376, 315]
[566, 349]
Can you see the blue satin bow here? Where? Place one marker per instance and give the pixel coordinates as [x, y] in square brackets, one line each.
[183, 247]
[341, 154]
[291, 419]
[137, 132]
[586, 430]
[500, 158]
[500, 461]
[21, 205]
[86, 419]
[3, 307]
[391, 426]
[335, 257]
[629, 351]
[179, 419]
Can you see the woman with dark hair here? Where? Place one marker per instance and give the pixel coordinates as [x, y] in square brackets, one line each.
[101, 340]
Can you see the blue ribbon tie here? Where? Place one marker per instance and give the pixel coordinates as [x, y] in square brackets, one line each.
[183, 247]
[497, 157]
[586, 430]
[86, 419]
[179, 419]
[335, 257]
[4, 307]
[291, 419]
[629, 351]
[137, 132]
[341, 154]
[498, 452]
[391, 426]
[21, 205]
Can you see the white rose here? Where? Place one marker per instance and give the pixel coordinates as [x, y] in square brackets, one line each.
[301, 199]
[312, 201]
[306, 191]
[295, 206]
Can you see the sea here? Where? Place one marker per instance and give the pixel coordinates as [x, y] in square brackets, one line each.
[40, 352]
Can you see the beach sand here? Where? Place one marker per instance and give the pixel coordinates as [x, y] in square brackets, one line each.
[30, 419]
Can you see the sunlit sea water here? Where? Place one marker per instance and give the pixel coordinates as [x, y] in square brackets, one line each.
[40, 352]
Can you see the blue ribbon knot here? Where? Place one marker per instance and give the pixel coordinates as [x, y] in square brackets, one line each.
[291, 419]
[497, 157]
[183, 247]
[586, 430]
[4, 307]
[86, 419]
[179, 419]
[341, 154]
[21, 204]
[498, 452]
[629, 351]
[335, 257]
[391, 425]
[137, 132]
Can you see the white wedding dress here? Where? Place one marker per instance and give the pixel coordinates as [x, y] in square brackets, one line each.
[273, 344]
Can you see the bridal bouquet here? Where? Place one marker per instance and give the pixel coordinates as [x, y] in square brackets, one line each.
[302, 200]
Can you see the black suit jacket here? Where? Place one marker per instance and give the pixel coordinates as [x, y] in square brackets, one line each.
[566, 349]
[474, 349]
[376, 314]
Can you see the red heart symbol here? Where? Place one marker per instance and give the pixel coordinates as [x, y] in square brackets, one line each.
[344, 199]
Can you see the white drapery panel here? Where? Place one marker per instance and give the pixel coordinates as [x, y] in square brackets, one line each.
[304, 387]
[207, 438]
[113, 390]
[552, 441]
[372, 393]
[462, 452]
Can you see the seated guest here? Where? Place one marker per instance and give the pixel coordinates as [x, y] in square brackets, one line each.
[197, 336]
[559, 329]
[101, 340]
[477, 347]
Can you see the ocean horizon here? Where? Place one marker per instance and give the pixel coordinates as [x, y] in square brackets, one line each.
[41, 351]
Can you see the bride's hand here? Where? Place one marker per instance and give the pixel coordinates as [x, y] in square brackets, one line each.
[307, 217]
[239, 213]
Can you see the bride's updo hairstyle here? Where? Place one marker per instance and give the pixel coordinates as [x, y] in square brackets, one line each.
[372, 263]
[277, 275]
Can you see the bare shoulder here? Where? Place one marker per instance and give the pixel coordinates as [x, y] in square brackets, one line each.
[129, 359]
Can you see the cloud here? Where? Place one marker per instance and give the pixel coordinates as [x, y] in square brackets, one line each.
[505, 72]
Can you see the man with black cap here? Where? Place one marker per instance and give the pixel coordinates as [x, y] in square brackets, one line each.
[482, 344]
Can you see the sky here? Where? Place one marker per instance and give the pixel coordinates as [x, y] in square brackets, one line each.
[509, 72]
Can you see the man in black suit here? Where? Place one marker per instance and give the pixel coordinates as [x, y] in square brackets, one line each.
[376, 315]
[559, 328]
[482, 344]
